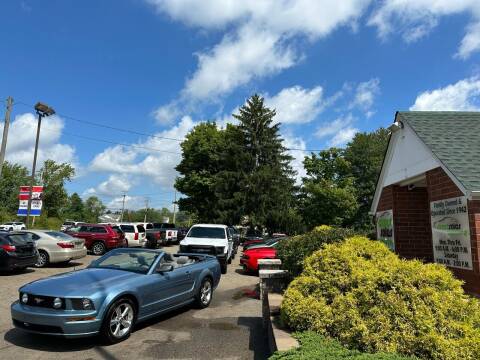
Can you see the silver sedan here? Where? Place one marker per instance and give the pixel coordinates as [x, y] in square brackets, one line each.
[57, 247]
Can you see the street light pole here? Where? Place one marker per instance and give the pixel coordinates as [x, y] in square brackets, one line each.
[123, 207]
[174, 207]
[42, 110]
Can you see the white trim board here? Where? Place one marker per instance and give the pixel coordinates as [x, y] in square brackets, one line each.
[407, 157]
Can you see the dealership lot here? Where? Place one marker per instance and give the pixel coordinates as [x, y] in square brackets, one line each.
[231, 328]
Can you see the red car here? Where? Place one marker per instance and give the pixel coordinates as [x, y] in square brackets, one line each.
[249, 259]
[98, 237]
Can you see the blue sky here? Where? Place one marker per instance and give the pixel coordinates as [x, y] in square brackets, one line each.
[159, 67]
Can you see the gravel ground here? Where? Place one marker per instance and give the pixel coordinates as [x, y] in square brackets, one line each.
[231, 328]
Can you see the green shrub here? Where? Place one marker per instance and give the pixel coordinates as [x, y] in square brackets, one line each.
[365, 296]
[293, 251]
[314, 346]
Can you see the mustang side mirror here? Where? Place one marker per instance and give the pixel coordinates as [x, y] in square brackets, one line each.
[164, 268]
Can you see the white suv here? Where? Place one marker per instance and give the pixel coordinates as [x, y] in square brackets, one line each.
[13, 226]
[134, 233]
[209, 239]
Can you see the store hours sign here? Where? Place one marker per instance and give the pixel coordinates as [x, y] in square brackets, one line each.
[451, 232]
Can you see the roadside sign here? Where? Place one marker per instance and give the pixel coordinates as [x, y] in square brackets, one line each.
[385, 231]
[451, 233]
[37, 203]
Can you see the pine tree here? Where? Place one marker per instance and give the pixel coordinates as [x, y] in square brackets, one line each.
[267, 183]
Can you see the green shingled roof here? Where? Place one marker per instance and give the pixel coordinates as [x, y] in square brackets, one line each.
[454, 137]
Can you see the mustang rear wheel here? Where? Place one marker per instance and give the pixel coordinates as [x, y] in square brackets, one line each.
[204, 296]
[119, 321]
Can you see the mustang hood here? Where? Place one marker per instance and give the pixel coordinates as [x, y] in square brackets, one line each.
[79, 283]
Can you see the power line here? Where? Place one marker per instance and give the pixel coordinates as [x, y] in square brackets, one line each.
[135, 132]
[114, 142]
[129, 131]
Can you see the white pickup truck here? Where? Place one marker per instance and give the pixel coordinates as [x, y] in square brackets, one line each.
[209, 239]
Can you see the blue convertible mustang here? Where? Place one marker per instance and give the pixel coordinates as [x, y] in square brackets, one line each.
[116, 291]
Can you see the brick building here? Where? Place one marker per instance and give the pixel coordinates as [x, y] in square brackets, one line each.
[427, 200]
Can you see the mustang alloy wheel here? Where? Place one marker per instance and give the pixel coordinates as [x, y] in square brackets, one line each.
[204, 296]
[119, 321]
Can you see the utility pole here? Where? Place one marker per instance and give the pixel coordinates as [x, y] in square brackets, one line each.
[174, 206]
[146, 210]
[5, 132]
[123, 207]
[42, 110]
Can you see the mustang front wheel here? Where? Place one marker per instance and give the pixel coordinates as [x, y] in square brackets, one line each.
[119, 321]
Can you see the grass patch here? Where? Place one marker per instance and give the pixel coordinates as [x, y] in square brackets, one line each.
[314, 346]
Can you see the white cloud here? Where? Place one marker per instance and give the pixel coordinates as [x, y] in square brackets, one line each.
[343, 136]
[131, 203]
[463, 95]
[470, 42]
[416, 19]
[332, 128]
[263, 41]
[157, 166]
[166, 114]
[296, 104]
[340, 131]
[312, 17]
[21, 141]
[113, 186]
[365, 95]
[293, 142]
[236, 60]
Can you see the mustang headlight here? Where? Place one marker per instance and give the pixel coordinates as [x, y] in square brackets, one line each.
[24, 298]
[57, 303]
[82, 304]
[87, 304]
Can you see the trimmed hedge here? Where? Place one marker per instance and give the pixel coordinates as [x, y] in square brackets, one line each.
[365, 296]
[314, 346]
[294, 250]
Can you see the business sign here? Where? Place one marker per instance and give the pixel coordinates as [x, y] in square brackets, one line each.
[451, 233]
[385, 228]
[23, 196]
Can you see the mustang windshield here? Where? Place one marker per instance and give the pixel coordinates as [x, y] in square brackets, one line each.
[135, 261]
[207, 232]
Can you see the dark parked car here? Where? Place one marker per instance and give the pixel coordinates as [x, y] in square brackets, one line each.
[235, 234]
[182, 232]
[17, 251]
[250, 240]
[99, 237]
[161, 234]
[264, 242]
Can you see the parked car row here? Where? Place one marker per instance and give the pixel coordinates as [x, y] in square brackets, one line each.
[38, 248]
[72, 306]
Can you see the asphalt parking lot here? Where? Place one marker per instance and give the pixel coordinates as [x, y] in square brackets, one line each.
[231, 328]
